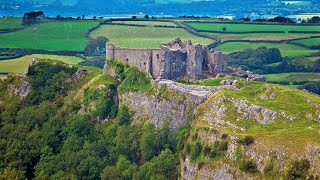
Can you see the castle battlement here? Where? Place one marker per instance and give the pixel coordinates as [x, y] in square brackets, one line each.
[172, 60]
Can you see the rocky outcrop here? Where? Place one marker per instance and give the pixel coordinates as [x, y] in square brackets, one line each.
[81, 72]
[260, 114]
[175, 110]
[23, 90]
[238, 72]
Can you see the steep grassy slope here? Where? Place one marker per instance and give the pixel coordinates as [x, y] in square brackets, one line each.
[238, 118]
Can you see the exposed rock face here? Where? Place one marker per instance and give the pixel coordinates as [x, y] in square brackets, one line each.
[175, 110]
[190, 171]
[24, 90]
[260, 114]
[172, 60]
[246, 74]
[81, 72]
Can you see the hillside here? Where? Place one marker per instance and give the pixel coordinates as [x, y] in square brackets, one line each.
[72, 122]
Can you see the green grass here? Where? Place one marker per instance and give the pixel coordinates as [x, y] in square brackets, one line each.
[310, 42]
[260, 36]
[54, 35]
[289, 50]
[314, 58]
[9, 23]
[147, 23]
[20, 65]
[251, 27]
[144, 37]
[293, 135]
[206, 82]
[293, 77]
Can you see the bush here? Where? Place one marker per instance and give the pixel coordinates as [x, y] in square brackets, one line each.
[247, 140]
[123, 115]
[271, 166]
[298, 170]
[218, 149]
[195, 150]
[248, 166]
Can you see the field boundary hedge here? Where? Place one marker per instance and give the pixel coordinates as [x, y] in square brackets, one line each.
[4, 31]
[280, 24]
[13, 53]
[304, 32]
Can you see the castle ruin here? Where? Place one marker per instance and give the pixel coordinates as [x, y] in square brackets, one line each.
[172, 60]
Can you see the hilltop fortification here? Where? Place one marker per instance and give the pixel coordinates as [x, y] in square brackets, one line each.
[172, 60]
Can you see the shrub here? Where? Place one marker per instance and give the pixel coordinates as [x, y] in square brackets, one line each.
[123, 115]
[248, 166]
[271, 166]
[218, 149]
[247, 140]
[195, 150]
[298, 170]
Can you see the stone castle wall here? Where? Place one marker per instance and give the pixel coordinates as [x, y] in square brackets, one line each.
[172, 60]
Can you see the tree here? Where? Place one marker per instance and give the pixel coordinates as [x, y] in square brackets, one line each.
[224, 29]
[32, 17]
[96, 45]
[134, 17]
[123, 115]
[94, 17]
[148, 142]
[315, 19]
[146, 16]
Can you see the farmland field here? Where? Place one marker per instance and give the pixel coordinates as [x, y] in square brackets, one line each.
[19, 65]
[144, 37]
[8, 23]
[251, 27]
[147, 23]
[60, 35]
[293, 77]
[289, 50]
[310, 42]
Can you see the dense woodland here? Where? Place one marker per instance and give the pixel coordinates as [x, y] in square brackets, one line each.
[42, 137]
[269, 60]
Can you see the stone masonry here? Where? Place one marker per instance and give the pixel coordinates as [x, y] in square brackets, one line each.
[172, 60]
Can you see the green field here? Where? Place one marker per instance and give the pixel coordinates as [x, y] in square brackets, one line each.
[289, 50]
[147, 23]
[293, 77]
[310, 42]
[8, 23]
[20, 65]
[144, 37]
[54, 35]
[251, 27]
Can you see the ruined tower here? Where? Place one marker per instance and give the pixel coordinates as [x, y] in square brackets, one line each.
[172, 60]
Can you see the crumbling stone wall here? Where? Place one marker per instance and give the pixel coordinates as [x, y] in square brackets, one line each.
[172, 60]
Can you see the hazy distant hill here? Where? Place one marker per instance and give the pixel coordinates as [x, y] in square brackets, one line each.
[239, 8]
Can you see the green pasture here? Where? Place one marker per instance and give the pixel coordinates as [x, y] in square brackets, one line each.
[147, 23]
[144, 37]
[260, 36]
[251, 27]
[293, 77]
[19, 65]
[52, 36]
[310, 42]
[289, 50]
[9, 23]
